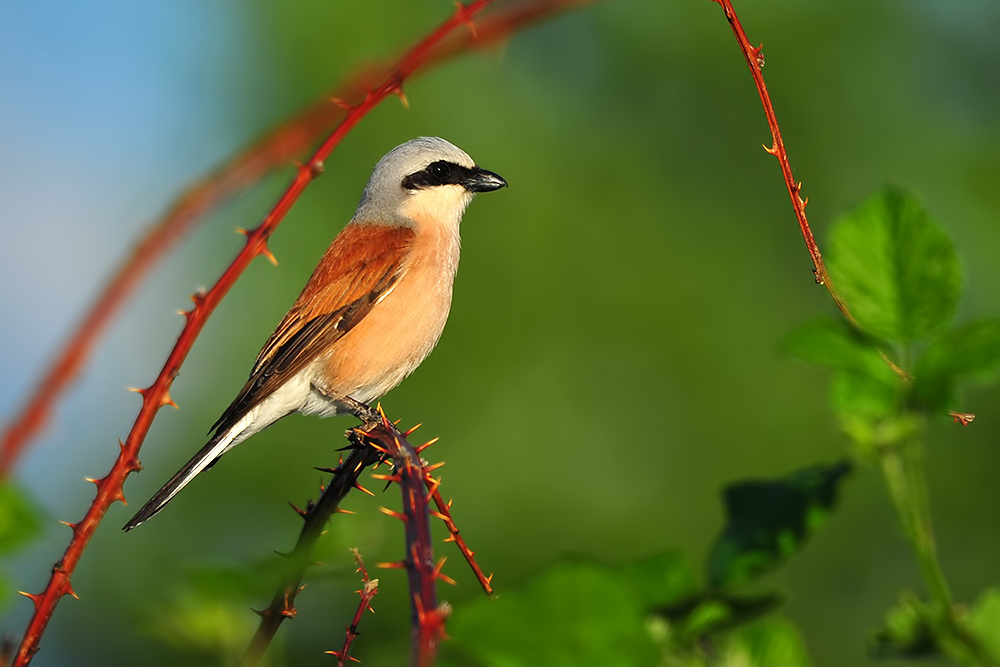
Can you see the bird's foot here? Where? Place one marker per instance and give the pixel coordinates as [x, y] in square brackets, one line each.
[369, 416]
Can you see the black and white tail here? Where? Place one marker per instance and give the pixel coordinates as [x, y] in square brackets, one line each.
[203, 460]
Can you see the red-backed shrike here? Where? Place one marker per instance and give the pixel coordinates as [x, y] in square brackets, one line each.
[372, 311]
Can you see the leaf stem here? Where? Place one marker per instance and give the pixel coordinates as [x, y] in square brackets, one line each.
[902, 466]
[903, 470]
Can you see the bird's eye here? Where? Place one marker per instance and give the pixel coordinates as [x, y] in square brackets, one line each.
[440, 171]
[437, 173]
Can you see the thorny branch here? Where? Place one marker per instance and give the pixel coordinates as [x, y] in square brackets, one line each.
[369, 588]
[427, 617]
[755, 60]
[316, 516]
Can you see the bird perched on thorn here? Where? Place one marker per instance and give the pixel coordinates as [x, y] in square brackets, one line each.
[372, 311]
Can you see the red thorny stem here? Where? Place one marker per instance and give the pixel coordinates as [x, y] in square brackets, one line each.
[369, 589]
[755, 60]
[316, 516]
[427, 617]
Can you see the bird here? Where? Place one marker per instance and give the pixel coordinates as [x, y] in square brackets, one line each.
[372, 311]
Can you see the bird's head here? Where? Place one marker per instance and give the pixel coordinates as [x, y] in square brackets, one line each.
[424, 180]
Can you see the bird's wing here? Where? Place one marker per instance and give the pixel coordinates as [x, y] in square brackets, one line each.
[360, 266]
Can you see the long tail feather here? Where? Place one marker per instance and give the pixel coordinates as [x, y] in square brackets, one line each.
[203, 460]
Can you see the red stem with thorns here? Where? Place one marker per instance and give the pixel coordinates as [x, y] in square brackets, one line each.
[368, 449]
[274, 150]
[755, 60]
[109, 488]
[428, 617]
[316, 516]
[369, 588]
[444, 513]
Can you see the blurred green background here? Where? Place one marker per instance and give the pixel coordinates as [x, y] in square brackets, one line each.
[612, 358]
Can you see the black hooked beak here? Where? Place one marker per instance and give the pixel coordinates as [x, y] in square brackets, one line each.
[481, 180]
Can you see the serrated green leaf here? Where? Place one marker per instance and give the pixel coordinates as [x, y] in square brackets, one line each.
[831, 343]
[896, 269]
[19, 521]
[972, 349]
[573, 613]
[769, 520]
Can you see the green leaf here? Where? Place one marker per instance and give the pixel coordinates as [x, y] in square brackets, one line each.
[984, 623]
[693, 621]
[908, 631]
[970, 350]
[896, 269]
[769, 520]
[865, 392]
[19, 521]
[573, 613]
[855, 396]
[763, 644]
[831, 343]
[658, 580]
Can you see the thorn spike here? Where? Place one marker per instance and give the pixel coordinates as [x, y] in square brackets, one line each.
[427, 444]
[266, 252]
[398, 91]
[397, 565]
[394, 514]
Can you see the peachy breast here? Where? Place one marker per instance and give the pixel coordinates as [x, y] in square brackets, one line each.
[401, 329]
